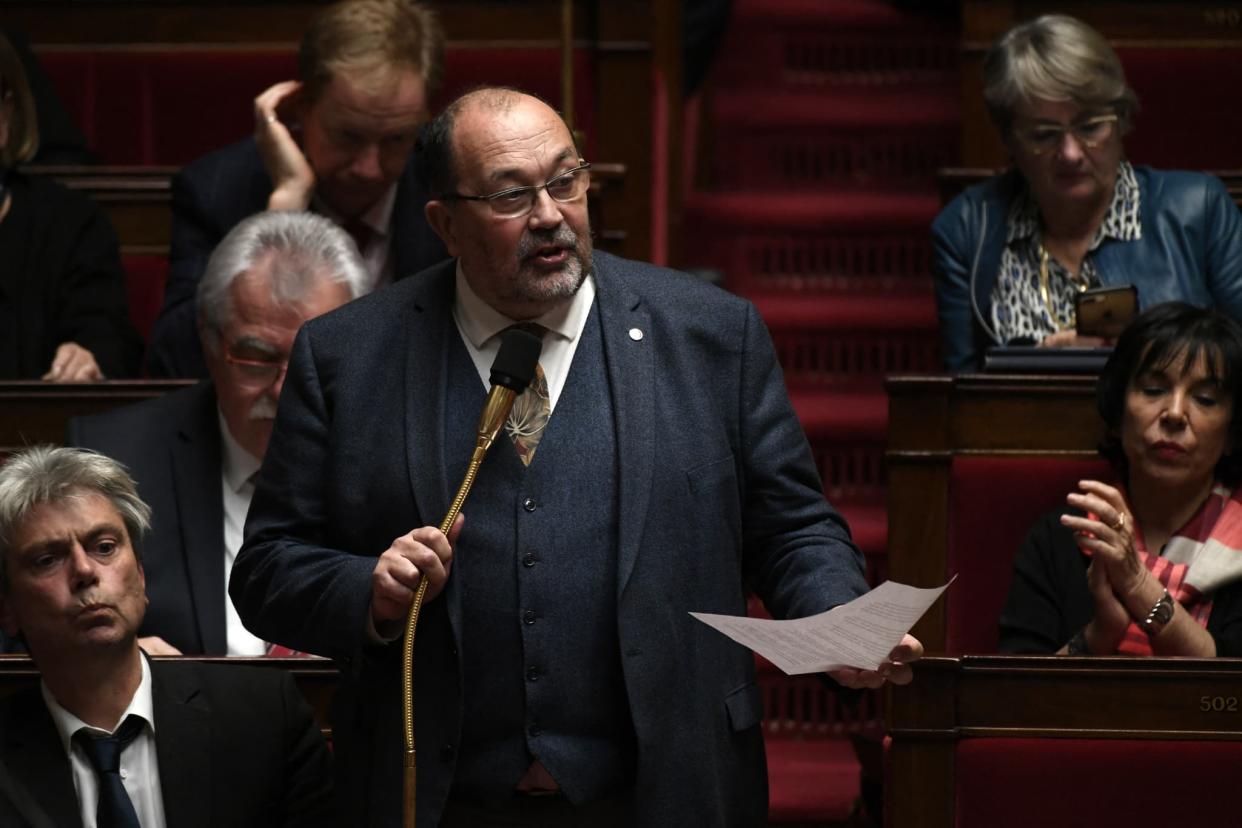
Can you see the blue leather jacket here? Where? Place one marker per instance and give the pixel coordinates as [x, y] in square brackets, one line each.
[1191, 250]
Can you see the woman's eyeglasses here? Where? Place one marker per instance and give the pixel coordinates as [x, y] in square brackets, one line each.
[1089, 133]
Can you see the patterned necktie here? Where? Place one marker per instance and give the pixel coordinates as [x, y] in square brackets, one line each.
[529, 416]
[115, 810]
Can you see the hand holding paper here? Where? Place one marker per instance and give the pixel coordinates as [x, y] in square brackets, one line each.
[860, 644]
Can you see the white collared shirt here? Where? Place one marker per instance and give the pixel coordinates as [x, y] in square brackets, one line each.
[480, 325]
[377, 257]
[237, 470]
[140, 770]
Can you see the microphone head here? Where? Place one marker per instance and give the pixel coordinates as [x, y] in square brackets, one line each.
[514, 366]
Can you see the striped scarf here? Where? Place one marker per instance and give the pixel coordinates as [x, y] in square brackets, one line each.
[1199, 559]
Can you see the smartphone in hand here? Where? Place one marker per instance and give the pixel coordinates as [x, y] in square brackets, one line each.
[1105, 311]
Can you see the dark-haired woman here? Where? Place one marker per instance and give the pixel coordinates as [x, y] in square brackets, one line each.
[64, 316]
[1152, 565]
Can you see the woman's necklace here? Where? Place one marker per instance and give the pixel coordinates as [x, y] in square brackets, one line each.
[1044, 292]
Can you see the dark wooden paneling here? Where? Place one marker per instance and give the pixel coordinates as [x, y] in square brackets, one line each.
[1041, 697]
[32, 413]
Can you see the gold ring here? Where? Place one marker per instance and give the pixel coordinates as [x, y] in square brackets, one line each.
[271, 118]
[1121, 522]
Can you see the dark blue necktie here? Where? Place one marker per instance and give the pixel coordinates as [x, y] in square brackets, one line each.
[115, 809]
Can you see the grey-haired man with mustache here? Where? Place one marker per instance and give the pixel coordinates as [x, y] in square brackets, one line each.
[194, 453]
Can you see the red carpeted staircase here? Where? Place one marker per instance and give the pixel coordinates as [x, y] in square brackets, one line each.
[823, 125]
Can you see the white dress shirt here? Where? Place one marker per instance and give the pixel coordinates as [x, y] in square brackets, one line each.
[377, 254]
[140, 772]
[480, 325]
[238, 468]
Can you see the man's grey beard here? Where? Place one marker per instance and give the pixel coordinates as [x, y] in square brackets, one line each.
[565, 284]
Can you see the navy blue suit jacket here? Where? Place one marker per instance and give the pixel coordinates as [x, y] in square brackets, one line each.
[717, 490]
[209, 198]
[171, 446]
[236, 746]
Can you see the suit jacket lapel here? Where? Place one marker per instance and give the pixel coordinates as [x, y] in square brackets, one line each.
[426, 378]
[406, 210]
[183, 747]
[629, 360]
[200, 509]
[36, 760]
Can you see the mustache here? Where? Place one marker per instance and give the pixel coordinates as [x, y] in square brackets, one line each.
[532, 240]
[264, 408]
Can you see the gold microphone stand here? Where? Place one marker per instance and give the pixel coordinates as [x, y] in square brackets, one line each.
[495, 412]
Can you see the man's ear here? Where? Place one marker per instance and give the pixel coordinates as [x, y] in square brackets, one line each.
[440, 217]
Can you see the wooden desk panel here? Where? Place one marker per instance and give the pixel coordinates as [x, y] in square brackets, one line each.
[315, 677]
[38, 412]
[1044, 697]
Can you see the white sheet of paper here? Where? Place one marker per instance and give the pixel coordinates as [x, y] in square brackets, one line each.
[859, 634]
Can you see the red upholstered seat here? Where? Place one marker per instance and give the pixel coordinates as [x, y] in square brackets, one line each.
[145, 277]
[1037, 783]
[992, 503]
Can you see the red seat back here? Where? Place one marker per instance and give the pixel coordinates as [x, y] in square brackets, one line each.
[145, 276]
[168, 107]
[1036, 783]
[992, 503]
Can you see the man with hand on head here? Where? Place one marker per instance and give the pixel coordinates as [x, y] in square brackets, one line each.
[110, 737]
[195, 452]
[338, 141]
[654, 468]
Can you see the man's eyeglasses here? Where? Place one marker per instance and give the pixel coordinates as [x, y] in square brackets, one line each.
[569, 186]
[1089, 133]
[257, 373]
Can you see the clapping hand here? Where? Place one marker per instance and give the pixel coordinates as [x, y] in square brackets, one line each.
[1116, 569]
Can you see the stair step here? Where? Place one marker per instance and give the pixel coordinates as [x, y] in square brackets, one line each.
[849, 456]
[819, 211]
[853, 13]
[868, 526]
[834, 138]
[860, 417]
[845, 108]
[851, 342]
[831, 315]
[813, 243]
[834, 42]
[811, 780]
